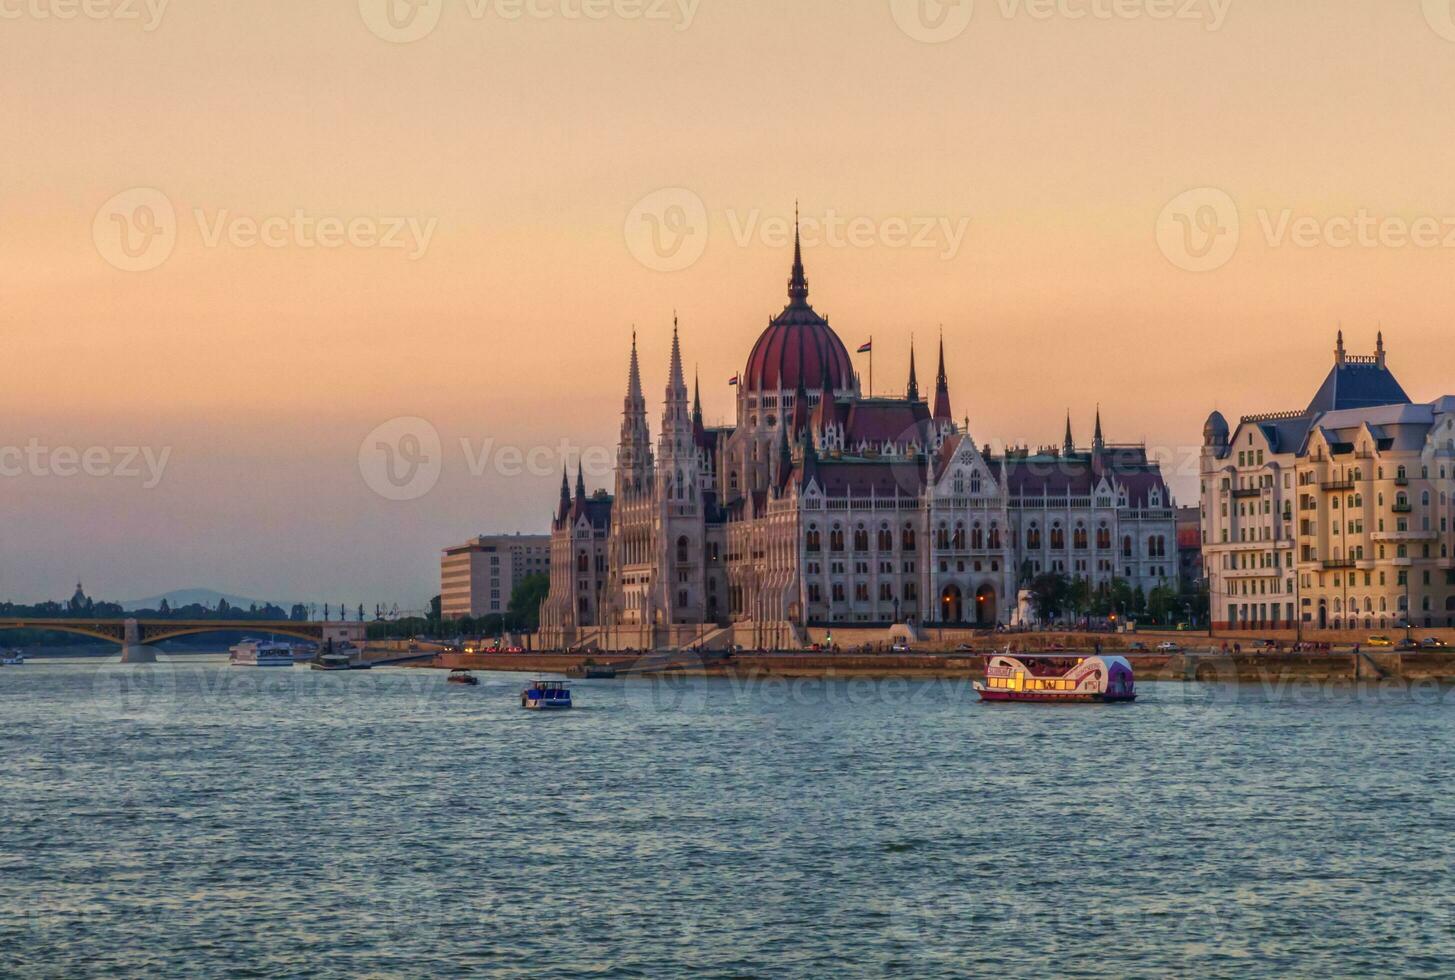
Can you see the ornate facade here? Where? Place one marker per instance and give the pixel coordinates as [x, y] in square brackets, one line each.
[824, 506]
[1337, 516]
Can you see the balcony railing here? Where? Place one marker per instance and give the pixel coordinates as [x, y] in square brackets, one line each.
[1240, 492]
[1338, 563]
[1337, 485]
[1402, 508]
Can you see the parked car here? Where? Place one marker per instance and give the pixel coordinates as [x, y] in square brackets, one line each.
[1137, 647]
[900, 647]
[1434, 643]
[1167, 646]
[1378, 640]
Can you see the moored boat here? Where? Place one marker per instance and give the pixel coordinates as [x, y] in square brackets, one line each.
[545, 696]
[338, 661]
[261, 653]
[1057, 679]
[461, 676]
[12, 658]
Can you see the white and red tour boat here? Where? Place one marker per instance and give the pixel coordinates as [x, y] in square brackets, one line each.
[1055, 678]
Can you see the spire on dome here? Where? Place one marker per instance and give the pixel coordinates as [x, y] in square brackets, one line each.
[913, 392]
[798, 284]
[942, 387]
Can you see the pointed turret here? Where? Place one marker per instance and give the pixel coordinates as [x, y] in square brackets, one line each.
[580, 481]
[942, 388]
[1097, 442]
[1379, 349]
[798, 282]
[912, 392]
[634, 451]
[1068, 445]
[565, 494]
[1339, 348]
[800, 410]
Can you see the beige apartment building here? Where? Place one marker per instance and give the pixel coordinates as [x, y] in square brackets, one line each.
[1336, 516]
[477, 577]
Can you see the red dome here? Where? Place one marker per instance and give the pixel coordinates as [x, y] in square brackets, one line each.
[799, 347]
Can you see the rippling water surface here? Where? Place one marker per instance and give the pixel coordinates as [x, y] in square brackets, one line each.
[189, 819]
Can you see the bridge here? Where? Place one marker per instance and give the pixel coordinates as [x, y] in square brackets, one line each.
[136, 634]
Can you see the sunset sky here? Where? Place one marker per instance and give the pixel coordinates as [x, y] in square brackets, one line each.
[521, 163]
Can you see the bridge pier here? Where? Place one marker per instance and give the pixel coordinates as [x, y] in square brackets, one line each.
[133, 651]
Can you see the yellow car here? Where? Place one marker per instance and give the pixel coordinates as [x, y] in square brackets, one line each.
[1380, 641]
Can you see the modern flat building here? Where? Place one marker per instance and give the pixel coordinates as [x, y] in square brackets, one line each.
[477, 577]
[1338, 515]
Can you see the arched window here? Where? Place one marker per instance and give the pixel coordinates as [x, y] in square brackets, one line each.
[907, 538]
[977, 537]
[861, 539]
[812, 542]
[836, 538]
[1127, 546]
[1103, 538]
[994, 537]
[1078, 538]
[583, 563]
[1058, 538]
[1033, 536]
[682, 550]
[942, 538]
[886, 539]
[958, 542]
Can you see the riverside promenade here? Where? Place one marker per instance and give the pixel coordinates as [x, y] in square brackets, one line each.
[1206, 665]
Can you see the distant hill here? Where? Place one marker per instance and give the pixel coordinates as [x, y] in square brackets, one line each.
[206, 597]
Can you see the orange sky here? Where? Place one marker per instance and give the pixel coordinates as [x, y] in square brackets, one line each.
[526, 145]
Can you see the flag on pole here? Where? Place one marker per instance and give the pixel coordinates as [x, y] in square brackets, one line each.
[866, 347]
[733, 381]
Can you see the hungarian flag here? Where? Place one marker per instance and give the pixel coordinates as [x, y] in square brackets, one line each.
[733, 380]
[866, 347]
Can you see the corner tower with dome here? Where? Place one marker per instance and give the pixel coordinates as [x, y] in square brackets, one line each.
[822, 507]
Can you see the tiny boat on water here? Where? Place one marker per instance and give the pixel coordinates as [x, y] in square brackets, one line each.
[261, 653]
[1057, 678]
[545, 696]
[459, 676]
[12, 658]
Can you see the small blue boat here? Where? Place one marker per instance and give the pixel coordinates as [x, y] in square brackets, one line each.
[545, 696]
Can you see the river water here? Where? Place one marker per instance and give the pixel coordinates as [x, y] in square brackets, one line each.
[188, 819]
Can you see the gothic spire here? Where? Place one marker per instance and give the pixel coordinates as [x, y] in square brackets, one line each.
[798, 284]
[942, 387]
[580, 481]
[913, 393]
[634, 380]
[674, 374]
[1068, 446]
[1097, 442]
